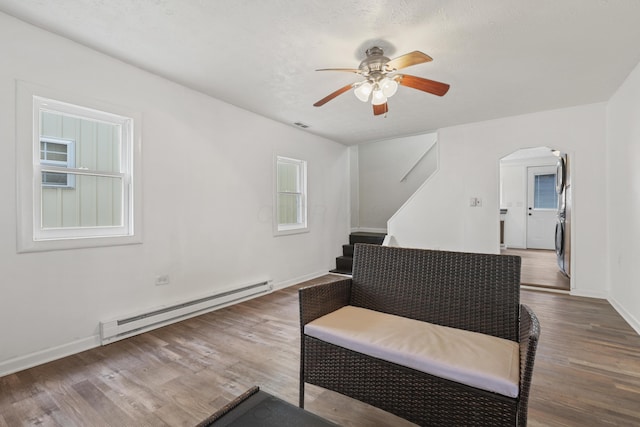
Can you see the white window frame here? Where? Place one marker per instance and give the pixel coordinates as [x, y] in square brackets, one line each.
[32, 236]
[302, 225]
[69, 164]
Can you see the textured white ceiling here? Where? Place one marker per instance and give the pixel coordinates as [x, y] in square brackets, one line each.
[501, 57]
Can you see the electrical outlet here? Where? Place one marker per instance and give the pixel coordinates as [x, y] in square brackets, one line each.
[162, 280]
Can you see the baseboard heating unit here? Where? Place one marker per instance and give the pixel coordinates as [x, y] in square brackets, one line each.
[128, 326]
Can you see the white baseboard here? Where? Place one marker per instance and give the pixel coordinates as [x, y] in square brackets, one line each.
[541, 289]
[43, 356]
[630, 318]
[589, 294]
[290, 282]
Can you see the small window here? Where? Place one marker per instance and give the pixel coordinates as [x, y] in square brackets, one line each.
[58, 153]
[291, 196]
[76, 168]
[545, 196]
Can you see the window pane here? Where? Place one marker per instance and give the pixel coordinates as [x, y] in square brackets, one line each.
[288, 177]
[54, 147]
[289, 209]
[97, 144]
[95, 201]
[56, 157]
[53, 178]
[545, 196]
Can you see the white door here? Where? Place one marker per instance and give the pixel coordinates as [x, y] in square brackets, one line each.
[542, 207]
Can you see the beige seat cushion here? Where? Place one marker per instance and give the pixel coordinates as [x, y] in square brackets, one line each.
[482, 361]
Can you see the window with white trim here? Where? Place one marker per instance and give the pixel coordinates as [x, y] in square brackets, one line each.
[291, 195]
[76, 175]
[61, 153]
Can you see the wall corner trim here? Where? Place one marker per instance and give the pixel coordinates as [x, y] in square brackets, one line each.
[628, 317]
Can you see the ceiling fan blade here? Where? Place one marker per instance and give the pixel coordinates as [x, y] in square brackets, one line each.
[425, 85]
[332, 95]
[380, 109]
[409, 59]
[348, 70]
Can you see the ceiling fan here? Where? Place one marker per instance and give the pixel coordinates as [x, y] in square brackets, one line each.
[380, 84]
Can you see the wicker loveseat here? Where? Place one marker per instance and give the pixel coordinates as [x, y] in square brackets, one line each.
[464, 291]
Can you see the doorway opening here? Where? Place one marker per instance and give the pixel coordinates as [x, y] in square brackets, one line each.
[535, 215]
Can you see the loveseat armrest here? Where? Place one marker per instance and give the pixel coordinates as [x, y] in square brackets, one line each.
[318, 300]
[529, 335]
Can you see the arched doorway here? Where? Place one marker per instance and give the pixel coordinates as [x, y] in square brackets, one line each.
[535, 205]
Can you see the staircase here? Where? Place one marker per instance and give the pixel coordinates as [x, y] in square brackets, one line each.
[344, 263]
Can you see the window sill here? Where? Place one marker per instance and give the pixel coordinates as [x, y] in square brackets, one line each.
[290, 231]
[76, 243]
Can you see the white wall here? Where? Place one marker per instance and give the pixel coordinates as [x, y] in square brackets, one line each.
[207, 180]
[354, 185]
[623, 190]
[439, 216]
[381, 166]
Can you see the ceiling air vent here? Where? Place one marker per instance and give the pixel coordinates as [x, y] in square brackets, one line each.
[302, 125]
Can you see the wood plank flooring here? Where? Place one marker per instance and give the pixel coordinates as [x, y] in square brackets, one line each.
[540, 269]
[587, 371]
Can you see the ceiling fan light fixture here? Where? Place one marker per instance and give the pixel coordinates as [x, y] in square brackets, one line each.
[378, 97]
[388, 86]
[363, 90]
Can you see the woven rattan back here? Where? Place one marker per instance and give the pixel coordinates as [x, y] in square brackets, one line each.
[476, 292]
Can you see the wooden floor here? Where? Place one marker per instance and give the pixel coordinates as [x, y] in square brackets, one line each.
[540, 269]
[587, 371]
